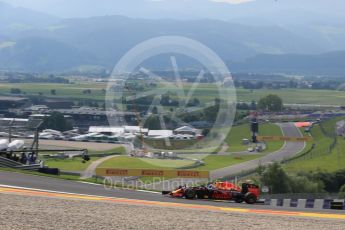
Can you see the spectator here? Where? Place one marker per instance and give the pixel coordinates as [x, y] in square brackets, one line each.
[30, 158]
[23, 158]
[34, 158]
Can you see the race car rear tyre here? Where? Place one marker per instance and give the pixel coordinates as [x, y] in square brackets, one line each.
[250, 198]
[190, 194]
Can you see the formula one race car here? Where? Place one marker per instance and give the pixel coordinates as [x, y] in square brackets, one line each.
[248, 193]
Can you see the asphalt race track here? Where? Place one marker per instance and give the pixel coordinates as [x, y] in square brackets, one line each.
[51, 184]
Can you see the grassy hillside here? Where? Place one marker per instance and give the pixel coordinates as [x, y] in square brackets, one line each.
[322, 157]
[238, 133]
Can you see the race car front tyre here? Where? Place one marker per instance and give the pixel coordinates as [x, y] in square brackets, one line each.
[190, 194]
[239, 199]
[250, 198]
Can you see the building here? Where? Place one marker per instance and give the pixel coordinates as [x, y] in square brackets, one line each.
[107, 130]
[6, 123]
[17, 124]
[86, 117]
[186, 130]
[36, 108]
[58, 103]
[135, 129]
[7, 103]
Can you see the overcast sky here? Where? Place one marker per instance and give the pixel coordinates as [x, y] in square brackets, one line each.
[217, 9]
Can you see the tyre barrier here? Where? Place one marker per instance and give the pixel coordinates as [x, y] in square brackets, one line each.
[338, 204]
[51, 171]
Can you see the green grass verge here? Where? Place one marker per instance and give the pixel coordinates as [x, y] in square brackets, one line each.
[143, 163]
[213, 162]
[74, 164]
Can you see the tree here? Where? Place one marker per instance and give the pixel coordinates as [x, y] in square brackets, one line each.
[332, 181]
[53, 91]
[276, 179]
[152, 122]
[155, 110]
[15, 91]
[87, 91]
[302, 184]
[252, 105]
[272, 103]
[205, 132]
[56, 121]
[194, 102]
[342, 192]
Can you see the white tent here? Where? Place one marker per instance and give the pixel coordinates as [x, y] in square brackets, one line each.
[3, 144]
[16, 145]
[186, 130]
[160, 133]
[107, 129]
[135, 129]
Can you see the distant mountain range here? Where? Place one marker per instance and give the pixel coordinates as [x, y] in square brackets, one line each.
[34, 41]
[14, 20]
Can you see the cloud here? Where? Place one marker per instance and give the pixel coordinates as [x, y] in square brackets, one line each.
[233, 1]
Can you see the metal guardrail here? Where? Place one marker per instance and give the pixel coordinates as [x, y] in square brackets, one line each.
[4, 162]
[28, 167]
[8, 163]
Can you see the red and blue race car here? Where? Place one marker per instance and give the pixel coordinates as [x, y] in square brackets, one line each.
[248, 193]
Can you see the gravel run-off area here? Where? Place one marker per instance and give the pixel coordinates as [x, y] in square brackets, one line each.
[32, 212]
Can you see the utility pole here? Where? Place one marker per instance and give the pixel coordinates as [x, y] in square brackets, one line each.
[254, 126]
[35, 143]
[10, 131]
[134, 108]
[37, 140]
